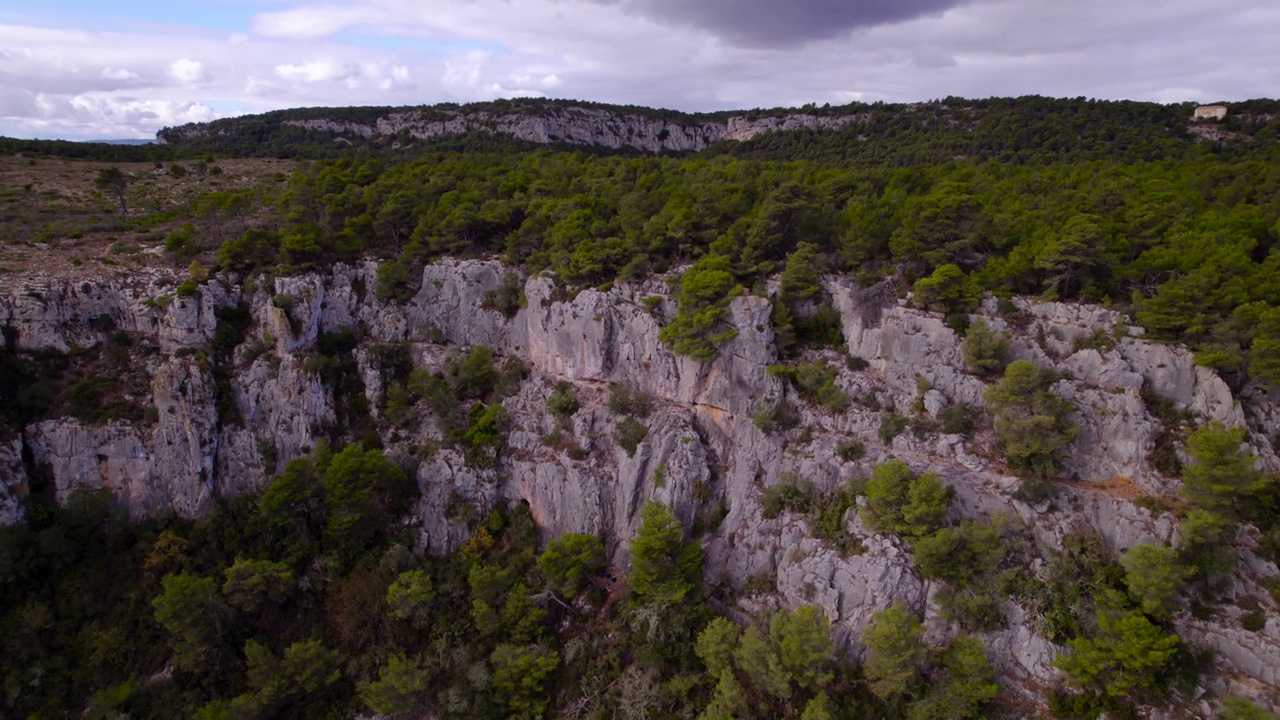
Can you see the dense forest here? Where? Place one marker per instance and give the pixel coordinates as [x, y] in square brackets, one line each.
[1186, 245]
[306, 600]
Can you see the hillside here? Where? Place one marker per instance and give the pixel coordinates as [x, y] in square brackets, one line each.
[1025, 130]
[474, 427]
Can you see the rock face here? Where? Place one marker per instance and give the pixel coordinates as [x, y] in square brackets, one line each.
[573, 125]
[702, 454]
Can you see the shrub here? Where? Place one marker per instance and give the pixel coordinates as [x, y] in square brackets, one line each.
[898, 501]
[891, 426]
[958, 419]
[1033, 425]
[816, 382]
[782, 416]
[851, 449]
[563, 402]
[628, 433]
[789, 496]
[626, 400]
[984, 349]
[508, 298]
[974, 609]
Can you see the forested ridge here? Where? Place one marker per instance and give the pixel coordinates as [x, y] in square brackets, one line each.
[1186, 245]
[1024, 130]
[306, 600]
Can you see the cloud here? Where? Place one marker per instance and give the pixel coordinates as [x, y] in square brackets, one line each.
[187, 71]
[313, 71]
[309, 23]
[465, 69]
[707, 55]
[119, 74]
[770, 23]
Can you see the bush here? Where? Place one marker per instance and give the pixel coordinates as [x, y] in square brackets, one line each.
[626, 400]
[789, 496]
[563, 402]
[851, 449]
[891, 426]
[816, 382]
[628, 433]
[974, 609]
[1033, 425]
[984, 349]
[508, 298]
[783, 416]
[898, 501]
[958, 419]
[958, 555]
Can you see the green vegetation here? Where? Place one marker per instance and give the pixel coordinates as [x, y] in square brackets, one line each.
[984, 349]
[1124, 658]
[1033, 425]
[816, 382]
[901, 502]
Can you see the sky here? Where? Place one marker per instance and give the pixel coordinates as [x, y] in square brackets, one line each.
[95, 69]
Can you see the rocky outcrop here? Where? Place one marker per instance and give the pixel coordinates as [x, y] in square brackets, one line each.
[567, 124]
[702, 454]
[13, 478]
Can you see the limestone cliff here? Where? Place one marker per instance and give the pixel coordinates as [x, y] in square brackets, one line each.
[567, 124]
[703, 455]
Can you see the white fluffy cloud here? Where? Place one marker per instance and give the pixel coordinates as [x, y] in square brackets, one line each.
[131, 81]
[187, 71]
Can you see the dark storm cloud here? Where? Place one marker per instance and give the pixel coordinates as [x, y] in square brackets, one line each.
[786, 23]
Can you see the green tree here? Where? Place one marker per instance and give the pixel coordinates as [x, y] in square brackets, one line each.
[717, 643]
[758, 658]
[520, 675]
[1124, 657]
[698, 327]
[902, 502]
[958, 555]
[892, 664]
[1154, 576]
[292, 508]
[114, 182]
[984, 349]
[570, 561]
[190, 610]
[1033, 425]
[802, 638]
[358, 486]
[818, 708]
[966, 684]
[410, 597]
[1070, 254]
[305, 670]
[1221, 471]
[729, 702]
[401, 687]
[664, 567]
[947, 290]
[252, 585]
[1205, 544]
